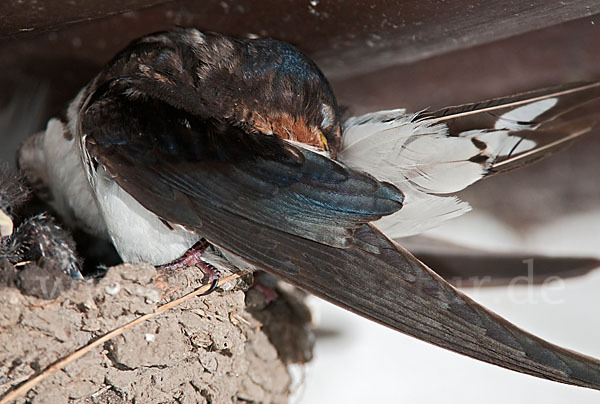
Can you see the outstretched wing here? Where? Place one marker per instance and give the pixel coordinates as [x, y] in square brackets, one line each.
[432, 154]
[301, 216]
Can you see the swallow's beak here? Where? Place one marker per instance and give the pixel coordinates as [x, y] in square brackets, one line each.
[6, 225]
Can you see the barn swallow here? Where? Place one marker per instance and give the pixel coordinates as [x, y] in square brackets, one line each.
[187, 136]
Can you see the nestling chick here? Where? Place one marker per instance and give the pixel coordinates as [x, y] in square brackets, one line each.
[38, 239]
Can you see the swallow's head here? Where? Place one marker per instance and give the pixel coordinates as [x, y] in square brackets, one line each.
[261, 85]
[268, 86]
[284, 93]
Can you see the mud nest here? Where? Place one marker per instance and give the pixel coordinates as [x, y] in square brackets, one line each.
[233, 346]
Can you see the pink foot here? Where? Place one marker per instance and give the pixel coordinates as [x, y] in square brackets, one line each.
[193, 258]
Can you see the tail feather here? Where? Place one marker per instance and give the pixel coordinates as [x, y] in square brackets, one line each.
[485, 114]
[442, 152]
[549, 141]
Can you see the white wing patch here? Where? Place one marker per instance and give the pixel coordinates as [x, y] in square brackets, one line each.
[425, 161]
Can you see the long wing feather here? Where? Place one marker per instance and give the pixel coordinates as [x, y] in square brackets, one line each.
[387, 285]
[395, 289]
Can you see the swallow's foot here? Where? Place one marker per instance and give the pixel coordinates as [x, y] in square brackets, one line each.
[193, 258]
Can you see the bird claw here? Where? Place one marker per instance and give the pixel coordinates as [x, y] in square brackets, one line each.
[193, 258]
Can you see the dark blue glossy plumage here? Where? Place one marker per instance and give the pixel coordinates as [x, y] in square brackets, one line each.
[217, 164]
